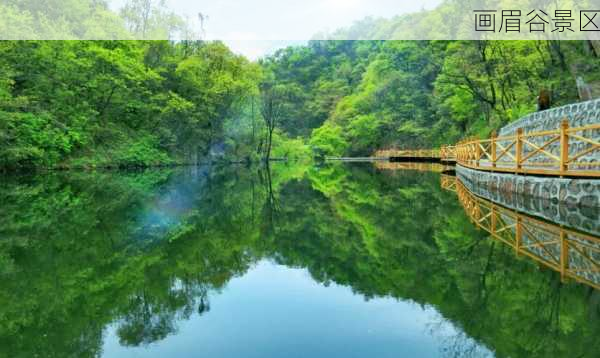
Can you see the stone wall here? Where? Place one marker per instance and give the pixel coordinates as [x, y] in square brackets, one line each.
[578, 115]
[571, 202]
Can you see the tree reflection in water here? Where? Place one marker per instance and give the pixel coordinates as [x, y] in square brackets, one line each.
[78, 253]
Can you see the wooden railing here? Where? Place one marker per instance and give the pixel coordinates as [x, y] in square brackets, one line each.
[448, 182]
[564, 152]
[410, 153]
[448, 153]
[573, 254]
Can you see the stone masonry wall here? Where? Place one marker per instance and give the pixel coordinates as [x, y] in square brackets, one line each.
[578, 115]
[571, 202]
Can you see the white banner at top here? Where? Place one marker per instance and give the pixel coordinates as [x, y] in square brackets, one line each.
[287, 20]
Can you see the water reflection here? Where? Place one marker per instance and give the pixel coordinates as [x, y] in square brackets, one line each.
[584, 218]
[273, 310]
[573, 254]
[418, 166]
[117, 263]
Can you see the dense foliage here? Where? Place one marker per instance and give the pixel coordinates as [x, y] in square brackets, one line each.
[91, 20]
[356, 96]
[120, 103]
[117, 103]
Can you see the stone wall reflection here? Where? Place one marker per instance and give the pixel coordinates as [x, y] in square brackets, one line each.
[569, 202]
[574, 254]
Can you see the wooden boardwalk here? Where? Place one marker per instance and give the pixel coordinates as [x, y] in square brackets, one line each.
[564, 152]
[561, 152]
[409, 154]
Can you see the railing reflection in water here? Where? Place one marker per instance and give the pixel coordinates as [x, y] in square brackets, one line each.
[418, 166]
[407, 153]
[575, 255]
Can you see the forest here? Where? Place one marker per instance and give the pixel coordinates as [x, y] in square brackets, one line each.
[87, 104]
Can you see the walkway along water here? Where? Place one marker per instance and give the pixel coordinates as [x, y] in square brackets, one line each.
[547, 165]
[551, 155]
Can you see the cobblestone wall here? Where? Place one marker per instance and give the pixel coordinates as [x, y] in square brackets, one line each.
[571, 202]
[578, 115]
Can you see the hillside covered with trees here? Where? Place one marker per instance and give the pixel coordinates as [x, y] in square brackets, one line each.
[67, 104]
[116, 103]
[355, 96]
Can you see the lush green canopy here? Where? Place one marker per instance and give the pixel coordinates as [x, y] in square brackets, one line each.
[120, 103]
[357, 96]
[146, 103]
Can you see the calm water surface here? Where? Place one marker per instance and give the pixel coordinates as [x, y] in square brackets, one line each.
[298, 261]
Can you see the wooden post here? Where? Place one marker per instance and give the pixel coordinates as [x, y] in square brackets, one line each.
[564, 255]
[518, 235]
[564, 147]
[477, 152]
[519, 149]
[470, 154]
[493, 149]
[493, 221]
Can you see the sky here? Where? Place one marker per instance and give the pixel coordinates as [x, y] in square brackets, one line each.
[258, 27]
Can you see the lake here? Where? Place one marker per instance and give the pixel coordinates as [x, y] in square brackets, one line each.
[297, 260]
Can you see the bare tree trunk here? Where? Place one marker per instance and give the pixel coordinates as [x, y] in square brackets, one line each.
[270, 143]
[272, 105]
